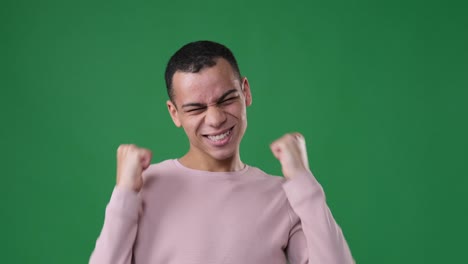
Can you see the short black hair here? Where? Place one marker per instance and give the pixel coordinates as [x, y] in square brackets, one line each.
[195, 56]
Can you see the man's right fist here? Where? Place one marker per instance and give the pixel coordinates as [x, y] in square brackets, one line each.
[131, 162]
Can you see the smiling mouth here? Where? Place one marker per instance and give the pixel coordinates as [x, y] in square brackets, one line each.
[220, 137]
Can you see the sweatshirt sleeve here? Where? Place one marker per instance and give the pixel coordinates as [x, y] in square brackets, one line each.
[115, 243]
[315, 237]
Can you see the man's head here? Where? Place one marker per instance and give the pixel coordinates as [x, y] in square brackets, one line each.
[208, 98]
[195, 56]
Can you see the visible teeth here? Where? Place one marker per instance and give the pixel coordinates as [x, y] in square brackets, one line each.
[220, 137]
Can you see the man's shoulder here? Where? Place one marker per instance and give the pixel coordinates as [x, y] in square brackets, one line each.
[260, 174]
[159, 168]
[267, 187]
[170, 167]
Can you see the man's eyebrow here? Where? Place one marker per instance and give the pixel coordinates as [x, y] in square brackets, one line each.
[203, 105]
[193, 104]
[226, 94]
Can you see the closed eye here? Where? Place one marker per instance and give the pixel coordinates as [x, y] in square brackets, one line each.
[229, 100]
[194, 110]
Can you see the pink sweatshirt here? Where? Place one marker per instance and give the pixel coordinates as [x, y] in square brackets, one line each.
[187, 216]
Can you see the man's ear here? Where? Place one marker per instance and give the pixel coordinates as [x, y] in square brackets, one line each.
[173, 112]
[246, 91]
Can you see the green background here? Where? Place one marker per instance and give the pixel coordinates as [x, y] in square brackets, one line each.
[378, 88]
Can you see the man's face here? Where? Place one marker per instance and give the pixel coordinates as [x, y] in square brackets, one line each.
[211, 107]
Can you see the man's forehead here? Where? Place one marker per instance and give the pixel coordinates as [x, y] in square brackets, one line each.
[206, 95]
[203, 87]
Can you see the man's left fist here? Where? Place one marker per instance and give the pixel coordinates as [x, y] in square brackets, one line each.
[291, 152]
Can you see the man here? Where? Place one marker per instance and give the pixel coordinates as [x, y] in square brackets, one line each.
[208, 206]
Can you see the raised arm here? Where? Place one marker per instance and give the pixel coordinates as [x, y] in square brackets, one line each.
[117, 238]
[315, 237]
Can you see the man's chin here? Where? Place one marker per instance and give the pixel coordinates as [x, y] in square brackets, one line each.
[223, 156]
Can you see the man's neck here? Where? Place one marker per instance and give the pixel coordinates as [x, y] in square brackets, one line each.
[200, 162]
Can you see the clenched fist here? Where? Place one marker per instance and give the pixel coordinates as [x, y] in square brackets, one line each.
[291, 152]
[131, 162]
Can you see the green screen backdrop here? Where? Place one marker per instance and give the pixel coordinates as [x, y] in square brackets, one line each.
[378, 88]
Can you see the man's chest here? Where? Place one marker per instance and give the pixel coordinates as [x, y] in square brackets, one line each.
[233, 225]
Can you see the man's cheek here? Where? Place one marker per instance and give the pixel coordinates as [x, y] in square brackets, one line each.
[234, 109]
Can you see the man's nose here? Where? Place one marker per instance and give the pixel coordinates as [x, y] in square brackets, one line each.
[215, 116]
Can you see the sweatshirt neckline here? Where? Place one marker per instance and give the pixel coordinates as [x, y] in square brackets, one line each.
[211, 173]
